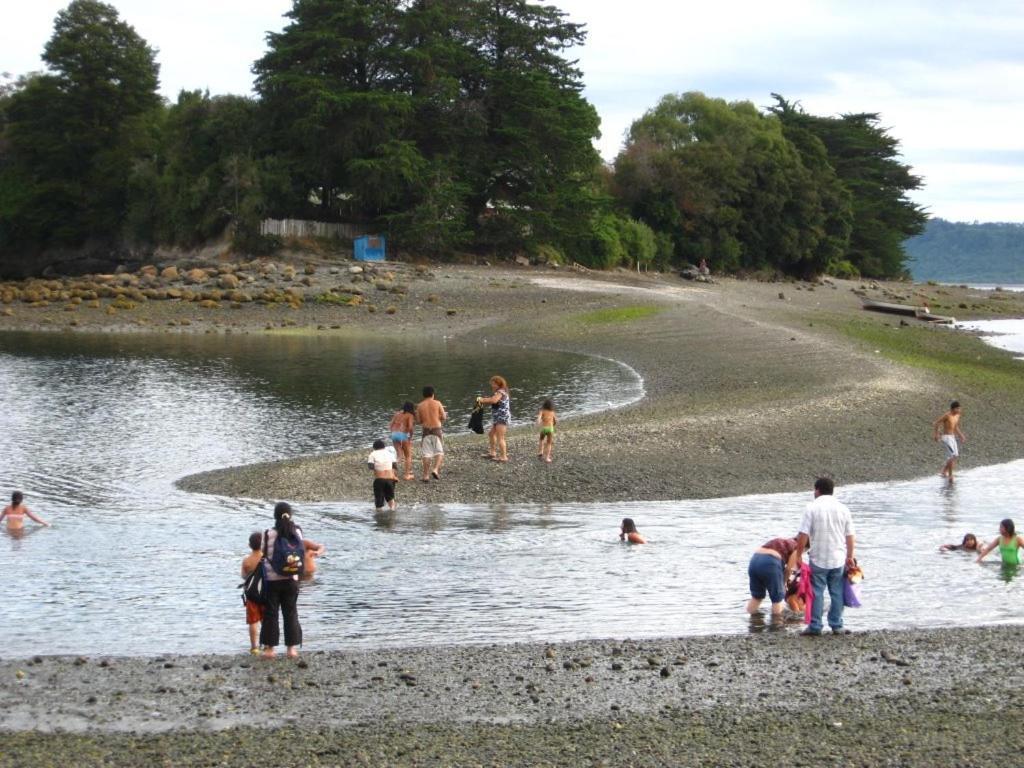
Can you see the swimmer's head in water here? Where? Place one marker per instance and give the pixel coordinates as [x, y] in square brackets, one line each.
[1007, 528]
[378, 444]
[970, 541]
[17, 497]
[628, 526]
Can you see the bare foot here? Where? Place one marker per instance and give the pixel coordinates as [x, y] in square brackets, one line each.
[292, 653]
[435, 475]
[410, 477]
[268, 654]
[548, 459]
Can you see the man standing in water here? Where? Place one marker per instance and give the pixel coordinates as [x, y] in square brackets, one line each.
[828, 526]
[430, 415]
[947, 429]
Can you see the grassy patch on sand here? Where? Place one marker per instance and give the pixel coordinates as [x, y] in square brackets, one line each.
[618, 315]
[954, 354]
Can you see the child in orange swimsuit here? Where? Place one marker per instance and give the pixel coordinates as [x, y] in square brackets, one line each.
[16, 512]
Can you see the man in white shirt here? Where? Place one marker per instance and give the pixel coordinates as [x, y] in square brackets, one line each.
[828, 527]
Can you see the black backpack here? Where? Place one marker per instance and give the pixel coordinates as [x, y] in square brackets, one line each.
[289, 557]
[254, 588]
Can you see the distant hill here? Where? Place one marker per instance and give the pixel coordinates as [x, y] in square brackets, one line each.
[955, 252]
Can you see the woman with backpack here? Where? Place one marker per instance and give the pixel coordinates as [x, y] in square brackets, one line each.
[285, 554]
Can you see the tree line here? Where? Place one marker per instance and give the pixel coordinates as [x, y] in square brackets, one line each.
[449, 125]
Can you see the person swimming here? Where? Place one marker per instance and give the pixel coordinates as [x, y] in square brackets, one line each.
[969, 544]
[629, 533]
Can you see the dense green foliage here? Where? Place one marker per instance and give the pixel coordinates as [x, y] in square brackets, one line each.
[724, 182]
[450, 121]
[72, 136]
[446, 125]
[865, 160]
[746, 190]
[968, 253]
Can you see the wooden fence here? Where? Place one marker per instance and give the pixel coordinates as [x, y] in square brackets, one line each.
[300, 228]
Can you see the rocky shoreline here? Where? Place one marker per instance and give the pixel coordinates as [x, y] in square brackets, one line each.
[911, 698]
[751, 387]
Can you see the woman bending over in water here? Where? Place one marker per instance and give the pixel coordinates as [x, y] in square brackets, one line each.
[16, 512]
[1009, 543]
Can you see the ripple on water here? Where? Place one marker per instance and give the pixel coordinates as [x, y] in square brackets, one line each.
[135, 566]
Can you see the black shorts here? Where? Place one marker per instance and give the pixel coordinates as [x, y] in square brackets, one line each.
[383, 491]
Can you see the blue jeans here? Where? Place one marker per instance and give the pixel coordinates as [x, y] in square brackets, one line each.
[833, 579]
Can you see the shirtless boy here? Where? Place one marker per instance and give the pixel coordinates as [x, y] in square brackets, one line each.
[947, 429]
[431, 416]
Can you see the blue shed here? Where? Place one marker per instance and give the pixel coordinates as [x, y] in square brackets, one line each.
[369, 248]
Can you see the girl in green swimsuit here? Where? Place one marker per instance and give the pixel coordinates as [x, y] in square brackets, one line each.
[1009, 543]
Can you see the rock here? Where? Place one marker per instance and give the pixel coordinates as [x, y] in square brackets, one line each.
[355, 270]
[209, 304]
[391, 310]
[451, 312]
[228, 282]
[169, 273]
[782, 296]
[309, 269]
[522, 261]
[665, 672]
[196, 276]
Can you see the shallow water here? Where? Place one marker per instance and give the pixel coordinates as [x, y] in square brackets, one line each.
[97, 430]
[1005, 334]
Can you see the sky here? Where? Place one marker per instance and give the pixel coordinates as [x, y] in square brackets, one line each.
[947, 78]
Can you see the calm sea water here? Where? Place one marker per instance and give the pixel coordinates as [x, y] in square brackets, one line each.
[97, 429]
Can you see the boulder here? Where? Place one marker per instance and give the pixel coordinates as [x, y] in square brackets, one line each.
[169, 273]
[196, 276]
[228, 282]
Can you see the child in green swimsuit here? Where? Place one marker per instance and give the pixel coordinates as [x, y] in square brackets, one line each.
[1009, 543]
[546, 420]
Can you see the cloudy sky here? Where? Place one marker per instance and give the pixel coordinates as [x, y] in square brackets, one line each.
[946, 77]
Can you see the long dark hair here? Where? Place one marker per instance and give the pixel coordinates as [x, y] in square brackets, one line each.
[628, 526]
[283, 523]
[16, 498]
[1008, 526]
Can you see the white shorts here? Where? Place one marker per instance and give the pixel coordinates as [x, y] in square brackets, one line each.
[431, 446]
[952, 449]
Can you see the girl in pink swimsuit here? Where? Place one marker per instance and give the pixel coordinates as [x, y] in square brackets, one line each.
[16, 512]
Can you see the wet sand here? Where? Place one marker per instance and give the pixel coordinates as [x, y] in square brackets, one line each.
[914, 698]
